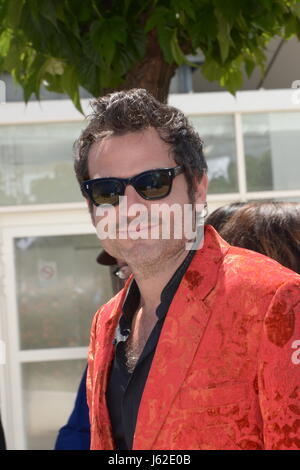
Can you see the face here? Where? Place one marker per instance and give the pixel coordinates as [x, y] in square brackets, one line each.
[126, 156]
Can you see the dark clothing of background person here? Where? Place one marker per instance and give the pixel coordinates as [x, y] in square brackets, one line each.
[2, 438]
[75, 435]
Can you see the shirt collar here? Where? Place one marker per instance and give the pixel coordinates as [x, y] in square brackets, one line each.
[132, 299]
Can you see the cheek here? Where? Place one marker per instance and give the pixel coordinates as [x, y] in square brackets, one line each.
[179, 193]
[104, 221]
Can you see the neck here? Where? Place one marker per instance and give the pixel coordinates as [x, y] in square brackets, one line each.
[152, 283]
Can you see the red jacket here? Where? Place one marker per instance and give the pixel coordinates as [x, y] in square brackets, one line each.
[226, 371]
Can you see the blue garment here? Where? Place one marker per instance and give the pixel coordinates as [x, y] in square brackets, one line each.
[75, 435]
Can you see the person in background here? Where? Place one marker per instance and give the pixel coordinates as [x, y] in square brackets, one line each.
[2, 438]
[270, 228]
[220, 216]
[75, 435]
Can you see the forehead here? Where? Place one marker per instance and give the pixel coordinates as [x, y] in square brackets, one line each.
[128, 154]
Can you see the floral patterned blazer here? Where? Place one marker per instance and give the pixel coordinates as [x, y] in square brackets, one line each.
[226, 371]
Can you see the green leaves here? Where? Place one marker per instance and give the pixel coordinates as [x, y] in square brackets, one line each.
[96, 44]
[177, 53]
[5, 41]
[232, 77]
[159, 18]
[48, 11]
[249, 66]
[184, 6]
[70, 85]
[106, 35]
[13, 11]
[296, 8]
[223, 35]
[166, 23]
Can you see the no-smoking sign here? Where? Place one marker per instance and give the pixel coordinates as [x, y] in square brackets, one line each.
[47, 270]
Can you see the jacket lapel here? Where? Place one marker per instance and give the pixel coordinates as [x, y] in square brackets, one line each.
[104, 352]
[180, 338]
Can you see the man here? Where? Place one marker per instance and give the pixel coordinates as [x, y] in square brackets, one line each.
[200, 349]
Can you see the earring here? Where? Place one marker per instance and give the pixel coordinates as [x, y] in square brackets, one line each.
[204, 211]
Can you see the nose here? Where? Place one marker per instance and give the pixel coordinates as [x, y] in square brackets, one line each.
[133, 196]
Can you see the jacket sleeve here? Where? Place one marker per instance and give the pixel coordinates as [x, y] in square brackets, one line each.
[91, 366]
[279, 369]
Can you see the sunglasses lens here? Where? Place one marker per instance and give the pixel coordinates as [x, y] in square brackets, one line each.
[154, 185]
[106, 192]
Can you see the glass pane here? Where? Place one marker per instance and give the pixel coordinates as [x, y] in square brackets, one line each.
[36, 163]
[272, 144]
[49, 392]
[59, 288]
[218, 134]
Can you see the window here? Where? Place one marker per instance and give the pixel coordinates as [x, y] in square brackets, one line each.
[36, 163]
[272, 143]
[59, 288]
[218, 134]
[48, 398]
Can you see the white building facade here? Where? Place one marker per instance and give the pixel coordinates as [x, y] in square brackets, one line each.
[50, 283]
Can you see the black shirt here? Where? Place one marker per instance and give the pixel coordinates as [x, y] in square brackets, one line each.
[125, 389]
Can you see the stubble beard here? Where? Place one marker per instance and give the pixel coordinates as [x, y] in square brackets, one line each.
[146, 258]
[149, 261]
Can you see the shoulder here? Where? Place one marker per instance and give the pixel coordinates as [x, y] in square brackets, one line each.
[239, 265]
[250, 281]
[251, 268]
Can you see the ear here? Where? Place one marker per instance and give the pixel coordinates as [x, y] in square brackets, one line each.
[201, 189]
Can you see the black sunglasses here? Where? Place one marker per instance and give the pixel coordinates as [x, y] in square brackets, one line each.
[151, 184]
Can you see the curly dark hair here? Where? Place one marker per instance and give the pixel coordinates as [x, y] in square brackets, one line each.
[219, 217]
[135, 110]
[271, 228]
